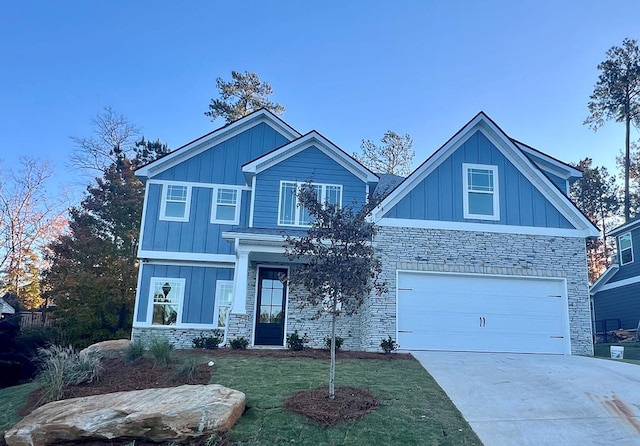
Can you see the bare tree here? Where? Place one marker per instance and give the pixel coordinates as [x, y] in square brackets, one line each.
[29, 219]
[112, 135]
[394, 156]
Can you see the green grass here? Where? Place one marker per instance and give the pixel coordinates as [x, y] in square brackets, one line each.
[11, 400]
[631, 350]
[413, 409]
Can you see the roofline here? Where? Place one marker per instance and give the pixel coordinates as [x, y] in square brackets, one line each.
[145, 169]
[604, 278]
[577, 172]
[625, 226]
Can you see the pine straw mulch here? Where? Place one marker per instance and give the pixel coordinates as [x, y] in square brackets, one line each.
[119, 376]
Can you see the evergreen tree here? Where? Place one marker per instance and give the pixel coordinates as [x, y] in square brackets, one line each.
[616, 96]
[241, 96]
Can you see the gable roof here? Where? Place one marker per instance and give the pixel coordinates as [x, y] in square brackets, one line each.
[512, 151]
[315, 139]
[217, 136]
[555, 166]
[5, 308]
[627, 226]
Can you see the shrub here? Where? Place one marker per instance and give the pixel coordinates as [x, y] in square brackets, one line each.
[240, 343]
[134, 351]
[161, 349]
[187, 369]
[62, 366]
[295, 341]
[388, 345]
[209, 342]
[339, 342]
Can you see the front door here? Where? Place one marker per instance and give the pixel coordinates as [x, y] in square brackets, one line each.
[271, 306]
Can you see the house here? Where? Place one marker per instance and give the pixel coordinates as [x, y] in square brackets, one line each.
[481, 248]
[616, 294]
[5, 309]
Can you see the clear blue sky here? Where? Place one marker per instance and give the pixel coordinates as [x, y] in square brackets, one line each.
[350, 70]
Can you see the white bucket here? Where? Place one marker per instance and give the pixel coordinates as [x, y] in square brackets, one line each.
[617, 352]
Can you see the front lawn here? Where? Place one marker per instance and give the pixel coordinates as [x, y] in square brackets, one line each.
[413, 410]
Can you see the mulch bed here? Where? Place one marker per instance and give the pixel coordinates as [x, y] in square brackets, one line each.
[350, 403]
[119, 376]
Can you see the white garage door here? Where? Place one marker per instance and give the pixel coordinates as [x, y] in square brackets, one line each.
[482, 313]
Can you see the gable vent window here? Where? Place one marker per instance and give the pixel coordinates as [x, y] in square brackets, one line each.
[481, 195]
[225, 208]
[175, 203]
[625, 244]
[291, 213]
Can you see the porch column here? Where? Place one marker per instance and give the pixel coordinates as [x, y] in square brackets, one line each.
[240, 283]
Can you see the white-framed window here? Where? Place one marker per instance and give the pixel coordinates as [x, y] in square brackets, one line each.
[481, 199]
[224, 298]
[625, 245]
[176, 202]
[291, 213]
[225, 208]
[166, 295]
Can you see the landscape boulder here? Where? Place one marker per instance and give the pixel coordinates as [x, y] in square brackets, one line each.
[108, 349]
[166, 414]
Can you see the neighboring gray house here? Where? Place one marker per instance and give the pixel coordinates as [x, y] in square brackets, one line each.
[5, 309]
[616, 294]
[481, 248]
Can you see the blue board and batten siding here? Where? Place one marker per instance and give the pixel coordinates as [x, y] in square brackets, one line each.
[630, 269]
[222, 164]
[440, 195]
[200, 286]
[309, 165]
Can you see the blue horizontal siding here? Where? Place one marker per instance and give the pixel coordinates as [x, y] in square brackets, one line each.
[222, 163]
[310, 164]
[619, 303]
[200, 290]
[440, 195]
[630, 269]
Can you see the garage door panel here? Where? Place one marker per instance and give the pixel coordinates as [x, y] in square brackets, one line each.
[482, 313]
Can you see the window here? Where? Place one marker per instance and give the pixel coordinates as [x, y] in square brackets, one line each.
[176, 200]
[167, 295]
[290, 212]
[224, 296]
[625, 245]
[480, 199]
[225, 207]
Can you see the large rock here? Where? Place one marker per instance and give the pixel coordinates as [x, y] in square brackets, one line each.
[168, 414]
[108, 349]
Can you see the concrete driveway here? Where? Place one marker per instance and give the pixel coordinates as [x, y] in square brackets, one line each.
[511, 399]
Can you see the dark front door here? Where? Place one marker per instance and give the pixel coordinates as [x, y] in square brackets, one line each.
[271, 305]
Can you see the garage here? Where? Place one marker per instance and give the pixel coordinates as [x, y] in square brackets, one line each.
[471, 312]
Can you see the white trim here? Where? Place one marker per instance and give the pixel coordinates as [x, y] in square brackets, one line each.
[143, 219]
[252, 204]
[619, 283]
[186, 256]
[557, 168]
[176, 327]
[604, 278]
[495, 193]
[566, 319]
[214, 205]
[163, 202]
[253, 237]
[624, 227]
[199, 184]
[315, 139]
[180, 302]
[136, 305]
[215, 138]
[508, 148]
[203, 264]
[620, 248]
[481, 227]
[298, 209]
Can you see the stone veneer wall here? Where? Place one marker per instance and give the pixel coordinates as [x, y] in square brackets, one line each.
[482, 253]
[179, 337]
[299, 317]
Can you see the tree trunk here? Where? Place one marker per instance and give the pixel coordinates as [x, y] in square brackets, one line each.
[627, 167]
[332, 368]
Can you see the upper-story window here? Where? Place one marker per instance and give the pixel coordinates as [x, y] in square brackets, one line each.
[290, 212]
[480, 188]
[176, 201]
[226, 206]
[625, 244]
